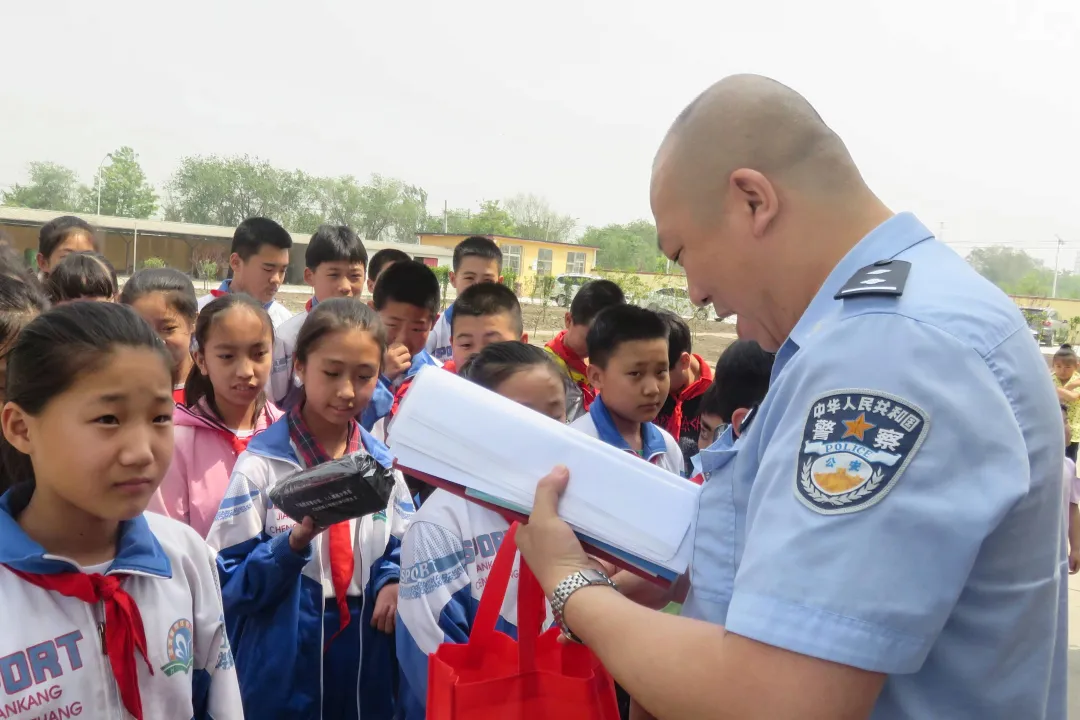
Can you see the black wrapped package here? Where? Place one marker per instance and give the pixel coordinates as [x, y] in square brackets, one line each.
[336, 491]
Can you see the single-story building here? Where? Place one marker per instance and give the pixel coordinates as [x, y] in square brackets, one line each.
[129, 242]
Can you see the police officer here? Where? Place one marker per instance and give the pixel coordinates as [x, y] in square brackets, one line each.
[887, 540]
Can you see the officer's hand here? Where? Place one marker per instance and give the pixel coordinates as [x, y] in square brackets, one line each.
[396, 361]
[1074, 561]
[547, 544]
[302, 534]
[382, 618]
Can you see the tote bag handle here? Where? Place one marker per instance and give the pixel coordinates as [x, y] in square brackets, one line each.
[530, 603]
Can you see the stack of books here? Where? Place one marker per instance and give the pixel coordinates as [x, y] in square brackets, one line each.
[479, 445]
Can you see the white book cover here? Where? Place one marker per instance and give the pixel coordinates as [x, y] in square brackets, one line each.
[500, 448]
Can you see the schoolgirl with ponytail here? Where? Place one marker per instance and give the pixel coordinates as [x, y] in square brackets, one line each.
[224, 407]
[314, 608]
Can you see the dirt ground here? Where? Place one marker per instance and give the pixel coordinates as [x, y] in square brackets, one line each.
[542, 323]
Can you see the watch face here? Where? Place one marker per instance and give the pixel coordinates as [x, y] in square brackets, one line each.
[594, 576]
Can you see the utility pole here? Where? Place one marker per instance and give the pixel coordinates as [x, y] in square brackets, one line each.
[444, 217]
[1057, 255]
[107, 157]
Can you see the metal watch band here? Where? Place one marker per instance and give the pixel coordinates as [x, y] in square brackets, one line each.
[571, 584]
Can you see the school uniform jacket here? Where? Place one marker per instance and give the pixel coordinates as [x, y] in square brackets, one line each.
[51, 659]
[275, 598]
[438, 342]
[284, 387]
[446, 557]
[278, 313]
[658, 446]
[203, 457]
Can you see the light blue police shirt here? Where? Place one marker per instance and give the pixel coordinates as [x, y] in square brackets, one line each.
[896, 503]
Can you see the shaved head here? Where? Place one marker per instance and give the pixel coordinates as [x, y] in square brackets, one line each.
[749, 186]
[750, 121]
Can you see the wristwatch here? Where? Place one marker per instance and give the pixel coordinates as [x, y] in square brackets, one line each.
[573, 583]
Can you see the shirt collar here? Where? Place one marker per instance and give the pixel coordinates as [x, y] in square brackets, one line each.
[884, 242]
[652, 440]
[418, 362]
[137, 551]
[226, 286]
[718, 454]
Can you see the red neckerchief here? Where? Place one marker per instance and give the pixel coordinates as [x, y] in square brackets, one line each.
[178, 395]
[571, 358]
[698, 479]
[219, 293]
[338, 535]
[124, 632]
[239, 444]
[399, 395]
[307, 306]
[576, 365]
[691, 391]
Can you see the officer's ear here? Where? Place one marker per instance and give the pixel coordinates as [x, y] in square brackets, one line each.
[758, 203]
[737, 418]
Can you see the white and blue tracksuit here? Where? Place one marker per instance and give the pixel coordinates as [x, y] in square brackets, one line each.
[657, 444]
[439, 341]
[445, 560]
[280, 604]
[283, 389]
[278, 313]
[52, 663]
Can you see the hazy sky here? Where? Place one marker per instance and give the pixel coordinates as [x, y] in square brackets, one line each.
[964, 111]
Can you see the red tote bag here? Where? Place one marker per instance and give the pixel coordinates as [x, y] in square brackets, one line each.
[493, 677]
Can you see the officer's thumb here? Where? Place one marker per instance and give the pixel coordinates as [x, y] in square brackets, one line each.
[548, 492]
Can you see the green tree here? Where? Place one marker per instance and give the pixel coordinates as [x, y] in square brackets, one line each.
[627, 247]
[1004, 266]
[442, 274]
[340, 201]
[377, 202]
[533, 218]
[491, 220]
[225, 191]
[125, 192]
[410, 214]
[50, 187]
[390, 209]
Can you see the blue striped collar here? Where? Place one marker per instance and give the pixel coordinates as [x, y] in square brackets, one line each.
[137, 550]
[652, 440]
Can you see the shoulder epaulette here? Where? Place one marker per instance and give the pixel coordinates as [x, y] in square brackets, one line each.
[885, 277]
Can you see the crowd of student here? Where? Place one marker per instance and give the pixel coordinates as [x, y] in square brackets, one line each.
[154, 399]
[194, 408]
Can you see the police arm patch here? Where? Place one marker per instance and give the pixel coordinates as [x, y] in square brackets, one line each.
[855, 446]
